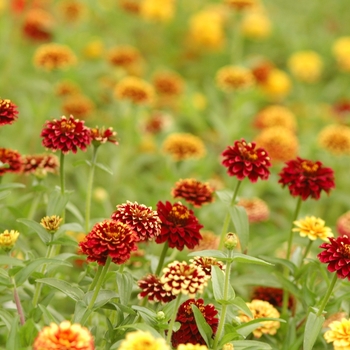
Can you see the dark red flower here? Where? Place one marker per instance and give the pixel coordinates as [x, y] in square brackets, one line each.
[103, 135]
[40, 163]
[179, 226]
[245, 160]
[66, 135]
[109, 238]
[152, 288]
[337, 255]
[306, 178]
[143, 220]
[8, 112]
[272, 295]
[10, 161]
[38, 25]
[194, 192]
[188, 332]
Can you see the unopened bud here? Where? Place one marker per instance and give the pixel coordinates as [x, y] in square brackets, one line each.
[160, 316]
[228, 346]
[51, 223]
[231, 241]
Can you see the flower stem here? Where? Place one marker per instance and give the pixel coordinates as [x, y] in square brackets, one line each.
[97, 276]
[173, 318]
[327, 295]
[89, 189]
[227, 217]
[161, 258]
[307, 249]
[62, 178]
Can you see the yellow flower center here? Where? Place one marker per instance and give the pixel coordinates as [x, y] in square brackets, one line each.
[309, 166]
[246, 154]
[345, 250]
[67, 126]
[179, 214]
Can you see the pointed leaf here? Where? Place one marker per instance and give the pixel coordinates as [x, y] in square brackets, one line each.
[203, 327]
[104, 168]
[218, 282]
[225, 196]
[9, 260]
[13, 339]
[125, 283]
[243, 258]
[240, 221]
[312, 329]
[103, 297]
[11, 186]
[276, 261]
[44, 235]
[210, 253]
[57, 202]
[241, 305]
[251, 344]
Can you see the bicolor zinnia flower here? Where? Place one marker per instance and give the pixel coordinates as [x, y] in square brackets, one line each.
[66, 135]
[142, 340]
[262, 309]
[182, 278]
[40, 164]
[78, 105]
[8, 239]
[54, 56]
[343, 224]
[11, 161]
[103, 135]
[306, 66]
[8, 112]
[273, 295]
[257, 209]
[182, 146]
[64, 336]
[335, 139]
[153, 289]
[245, 160]
[336, 254]
[142, 219]
[306, 178]
[193, 191]
[231, 78]
[206, 262]
[190, 346]
[313, 228]
[179, 226]
[109, 238]
[51, 223]
[339, 334]
[188, 331]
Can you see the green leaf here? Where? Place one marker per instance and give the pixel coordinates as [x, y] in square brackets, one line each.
[218, 282]
[44, 235]
[142, 327]
[13, 339]
[6, 317]
[4, 194]
[240, 221]
[248, 327]
[103, 297]
[278, 261]
[75, 227]
[203, 327]
[104, 168]
[210, 253]
[48, 317]
[312, 330]
[243, 258]
[80, 310]
[125, 283]
[9, 260]
[11, 186]
[57, 202]
[241, 305]
[147, 315]
[251, 345]
[225, 196]
[66, 288]
[75, 211]
[28, 332]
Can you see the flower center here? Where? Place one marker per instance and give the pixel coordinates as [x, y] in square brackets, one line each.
[188, 308]
[345, 250]
[179, 214]
[247, 154]
[309, 167]
[67, 126]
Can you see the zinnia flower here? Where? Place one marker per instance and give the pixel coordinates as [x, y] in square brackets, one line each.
[40, 164]
[78, 105]
[51, 223]
[273, 295]
[336, 254]
[277, 84]
[11, 161]
[341, 51]
[142, 340]
[103, 135]
[312, 228]
[209, 241]
[206, 263]
[124, 56]
[335, 139]
[190, 346]
[8, 239]
[306, 178]
[157, 10]
[38, 24]
[188, 332]
[257, 209]
[67, 88]
[179, 226]
[168, 83]
[245, 160]
[231, 78]
[193, 191]
[8, 112]
[143, 220]
[262, 309]
[65, 336]
[109, 238]
[242, 4]
[343, 224]
[306, 66]
[183, 278]
[72, 10]
[339, 334]
[153, 289]
[66, 135]
[131, 6]
[256, 25]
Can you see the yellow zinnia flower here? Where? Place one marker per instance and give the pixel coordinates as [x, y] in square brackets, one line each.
[8, 239]
[339, 334]
[142, 340]
[313, 228]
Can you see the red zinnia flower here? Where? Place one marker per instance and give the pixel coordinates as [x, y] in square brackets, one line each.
[337, 255]
[8, 112]
[39, 164]
[188, 332]
[109, 238]
[152, 288]
[11, 161]
[273, 295]
[244, 160]
[143, 220]
[102, 135]
[66, 135]
[306, 178]
[179, 226]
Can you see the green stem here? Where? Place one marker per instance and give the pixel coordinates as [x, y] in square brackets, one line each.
[228, 217]
[97, 276]
[89, 189]
[18, 303]
[62, 177]
[307, 249]
[327, 296]
[161, 258]
[173, 318]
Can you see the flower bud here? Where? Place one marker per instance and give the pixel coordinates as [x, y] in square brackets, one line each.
[231, 241]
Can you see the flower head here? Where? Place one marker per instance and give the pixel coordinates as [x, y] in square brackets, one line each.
[206, 263]
[231, 78]
[336, 254]
[103, 135]
[153, 289]
[38, 24]
[183, 278]
[168, 83]
[131, 6]
[182, 146]
[245, 160]
[341, 52]
[8, 112]
[8, 239]
[343, 224]
[66, 135]
[78, 105]
[72, 10]
[193, 191]
[277, 84]
[51, 223]
[188, 332]
[40, 164]
[179, 226]
[10, 161]
[257, 209]
[124, 56]
[306, 178]
[109, 238]
[306, 66]
[209, 241]
[190, 346]
[142, 340]
[157, 10]
[54, 56]
[256, 25]
[65, 336]
[242, 4]
[262, 309]
[67, 88]
[273, 295]
[142, 219]
[339, 334]
[313, 228]
[335, 139]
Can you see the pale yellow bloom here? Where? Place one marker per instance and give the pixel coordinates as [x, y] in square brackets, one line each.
[341, 51]
[231, 78]
[191, 347]
[141, 340]
[277, 84]
[256, 25]
[158, 10]
[8, 239]
[312, 228]
[306, 66]
[335, 139]
[51, 223]
[93, 49]
[339, 334]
